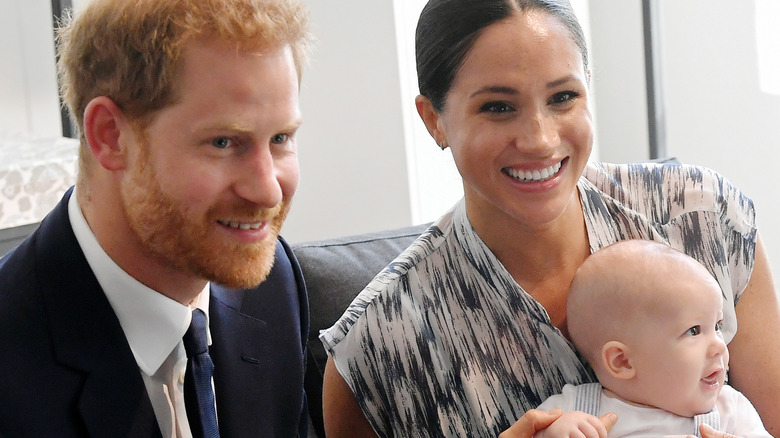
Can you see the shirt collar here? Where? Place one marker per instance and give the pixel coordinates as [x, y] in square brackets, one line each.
[153, 323]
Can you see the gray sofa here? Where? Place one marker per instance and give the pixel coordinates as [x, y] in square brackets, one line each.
[11, 237]
[335, 271]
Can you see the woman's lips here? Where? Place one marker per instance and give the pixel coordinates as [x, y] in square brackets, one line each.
[539, 175]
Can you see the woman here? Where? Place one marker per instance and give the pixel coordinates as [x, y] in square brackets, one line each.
[465, 332]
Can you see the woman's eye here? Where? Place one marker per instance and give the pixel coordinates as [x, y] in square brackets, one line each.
[496, 107]
[719, 326]
[279, 138]
[221, 142]
[563, 97]
[694, 331]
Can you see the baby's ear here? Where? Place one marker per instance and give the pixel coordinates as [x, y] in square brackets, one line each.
[616, 357]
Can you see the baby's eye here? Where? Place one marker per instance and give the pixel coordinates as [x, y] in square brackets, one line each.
[496, 107]
[221, 142]
[279, 138]
[694, 331]
[719, 326]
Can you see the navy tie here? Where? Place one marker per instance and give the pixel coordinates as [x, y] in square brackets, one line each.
[198, 392]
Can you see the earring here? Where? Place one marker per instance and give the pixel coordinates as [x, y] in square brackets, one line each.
[442, 145]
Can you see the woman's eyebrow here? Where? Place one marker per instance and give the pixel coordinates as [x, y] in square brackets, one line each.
[501, 89]
[561, 81]
[495, 89]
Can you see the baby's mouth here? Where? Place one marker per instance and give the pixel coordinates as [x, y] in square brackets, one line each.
[713, 379]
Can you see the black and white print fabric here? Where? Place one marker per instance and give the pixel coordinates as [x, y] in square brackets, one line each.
[444, 342]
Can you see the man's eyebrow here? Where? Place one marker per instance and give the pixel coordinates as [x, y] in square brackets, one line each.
[219, 126]
[294, 124]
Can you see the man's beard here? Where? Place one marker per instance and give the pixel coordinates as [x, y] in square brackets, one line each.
[191, 244]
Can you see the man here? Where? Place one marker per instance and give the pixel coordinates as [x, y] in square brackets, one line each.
[187, 111]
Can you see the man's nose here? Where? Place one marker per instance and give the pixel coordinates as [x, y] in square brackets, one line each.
[257, 178]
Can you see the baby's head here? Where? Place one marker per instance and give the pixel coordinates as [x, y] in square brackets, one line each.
[647, 318]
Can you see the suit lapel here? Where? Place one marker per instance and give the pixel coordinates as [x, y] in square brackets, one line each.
[87, 336]
[237, 361]
[258, 346]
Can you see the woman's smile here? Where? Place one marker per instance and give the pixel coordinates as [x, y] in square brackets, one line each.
[540, 175]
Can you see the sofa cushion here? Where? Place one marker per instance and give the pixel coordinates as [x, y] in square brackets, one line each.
[335, 271]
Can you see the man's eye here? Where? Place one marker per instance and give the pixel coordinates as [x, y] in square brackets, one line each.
[221, 142]
[694, 331]
[279, 138]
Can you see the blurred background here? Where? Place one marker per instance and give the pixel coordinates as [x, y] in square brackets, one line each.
[698, 80]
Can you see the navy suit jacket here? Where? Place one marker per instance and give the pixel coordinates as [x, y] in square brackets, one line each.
[66, 369]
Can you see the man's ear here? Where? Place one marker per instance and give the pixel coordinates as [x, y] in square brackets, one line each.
[430, 116]
[616, 358]
[104, 124]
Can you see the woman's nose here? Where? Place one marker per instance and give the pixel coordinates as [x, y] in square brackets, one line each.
[538, 132]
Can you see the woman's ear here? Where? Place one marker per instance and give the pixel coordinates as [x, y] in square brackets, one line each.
[104, 123]
[616, 357]
[430, 117]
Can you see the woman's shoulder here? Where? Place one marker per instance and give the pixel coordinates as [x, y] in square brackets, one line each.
[664, 190]
[650, 175]
[387, 287]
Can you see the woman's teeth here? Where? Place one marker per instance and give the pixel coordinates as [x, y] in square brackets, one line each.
[534, 175]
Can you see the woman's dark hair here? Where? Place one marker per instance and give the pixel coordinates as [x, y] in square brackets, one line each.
[447, 29]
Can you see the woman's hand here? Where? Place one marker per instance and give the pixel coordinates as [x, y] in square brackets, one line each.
[575, 424]
[536, 420]
[531, 422]
[708, 432]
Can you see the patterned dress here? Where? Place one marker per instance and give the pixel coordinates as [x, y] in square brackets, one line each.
[444, 342]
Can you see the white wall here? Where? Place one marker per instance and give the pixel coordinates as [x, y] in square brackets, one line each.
[434, 182]
[716, 114]
[351, 144]
[367, 163]
[29, 107]
[618, 80]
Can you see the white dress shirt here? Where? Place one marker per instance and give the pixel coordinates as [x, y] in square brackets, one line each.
[153, 325]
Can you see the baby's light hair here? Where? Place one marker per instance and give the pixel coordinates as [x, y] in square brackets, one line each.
[612, 288]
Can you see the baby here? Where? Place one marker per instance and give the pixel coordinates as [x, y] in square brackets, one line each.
[647, 318]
